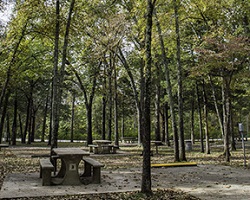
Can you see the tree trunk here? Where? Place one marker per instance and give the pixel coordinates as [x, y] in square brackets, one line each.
[103, 118]
[180, 77]
[116, 129]
[20, 125]
[141, 104]
[45, 117]
[110, 101]
[216, 105]
[157, 105]
[14, 124]
[192, 121]
[4, 112]
[30, 121]
[146, 122]
[200, 119]
[166, 121]
[226, 116]
[31, 113]
[50, 118]
[163, 130]
[123, 120]
[72, 117]
[5, 87]
[169, 91]
[89, 125]
[206, 118]
[33, 126]
[26, 128]
[8, 128]
[233, 144]
[59, 77]
[104, 100]
[56, 84]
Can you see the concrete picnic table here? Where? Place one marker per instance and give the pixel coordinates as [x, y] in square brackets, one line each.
[103, 145]
[68, 173]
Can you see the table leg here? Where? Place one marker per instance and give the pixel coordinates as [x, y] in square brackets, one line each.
[68, 174]
[62, 170]
[87, 170]
[100, 148]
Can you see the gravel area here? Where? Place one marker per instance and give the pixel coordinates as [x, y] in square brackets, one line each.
[201, 182]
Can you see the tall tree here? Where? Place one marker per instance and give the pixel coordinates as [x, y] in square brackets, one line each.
[58, 76]
[56, 84]
[14, 124]
[45, 117]
[110, 99]
[72, 117]
[200, 117]
[180, 77]
[205, 108]
[116, 128]
[4, 113]
[157, 103]
[169, 91]
[146, 170]
[88, 100]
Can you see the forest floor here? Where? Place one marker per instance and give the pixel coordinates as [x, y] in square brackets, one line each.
[211, 179]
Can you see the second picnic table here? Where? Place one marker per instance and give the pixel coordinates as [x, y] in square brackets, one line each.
[103, 146]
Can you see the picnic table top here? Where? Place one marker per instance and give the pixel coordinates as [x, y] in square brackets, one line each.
[102, 141]
[156, 142]
[4, 145]
[70, 151]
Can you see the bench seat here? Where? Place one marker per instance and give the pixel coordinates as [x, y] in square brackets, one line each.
[46, 168]
[3, 146]
[92, 169]
[93, 148]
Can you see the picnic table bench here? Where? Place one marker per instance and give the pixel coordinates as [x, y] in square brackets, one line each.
[46, 167]
[93, 148]
[3, 146]
[92, 168]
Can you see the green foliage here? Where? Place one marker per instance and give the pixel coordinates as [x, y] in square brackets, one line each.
[214, 37]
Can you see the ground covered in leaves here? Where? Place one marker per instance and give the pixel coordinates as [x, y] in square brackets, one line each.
[26, 160]
[157, 195]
